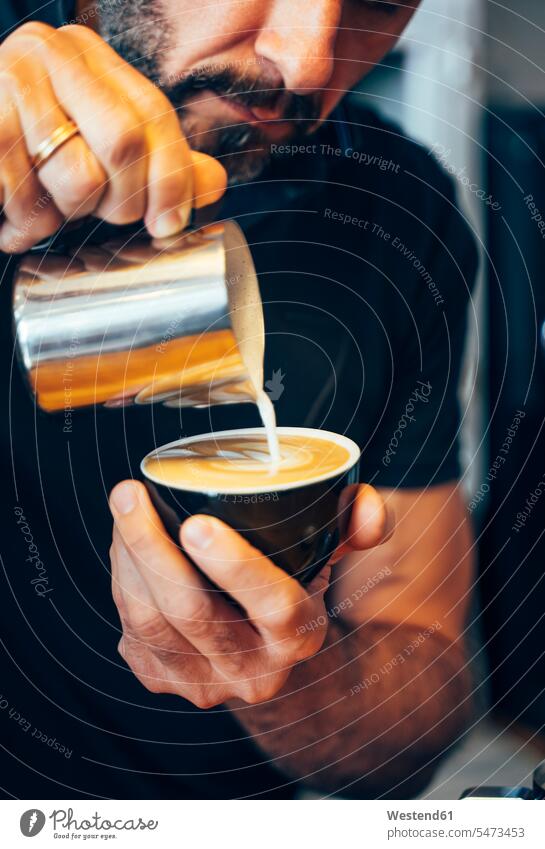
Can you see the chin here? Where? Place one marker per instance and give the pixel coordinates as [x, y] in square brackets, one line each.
[242, 149]
[245, 166]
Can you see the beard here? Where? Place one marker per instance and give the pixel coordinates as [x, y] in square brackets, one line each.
[243, 148]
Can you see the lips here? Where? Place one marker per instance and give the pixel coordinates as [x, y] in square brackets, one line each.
[222, 110]
[263, 114]
[255, 114]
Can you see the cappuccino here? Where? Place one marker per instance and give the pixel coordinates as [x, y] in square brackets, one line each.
[288, 510]
[238, 461]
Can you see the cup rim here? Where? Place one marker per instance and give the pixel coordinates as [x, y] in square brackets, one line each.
[345, 441]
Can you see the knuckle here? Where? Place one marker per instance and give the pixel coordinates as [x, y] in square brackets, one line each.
[196, 617]
[225, 644]
[164, 653]
[75, 30]
[140, 661]
[119, 602]
[310, 645]
[257, 692]
[195, 628]
[29, 40]
[117, 596]
[156, 106]
[127, 146]
[203, 698]
[8, 138]
[154, 685]
[286, 613]
[35, 30]
[13, 85]
[251, 694]
[151, 628]
[76, 192]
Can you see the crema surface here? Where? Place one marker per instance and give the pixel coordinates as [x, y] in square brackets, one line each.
[240, 462]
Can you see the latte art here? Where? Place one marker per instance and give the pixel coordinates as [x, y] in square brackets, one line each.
[239, 461]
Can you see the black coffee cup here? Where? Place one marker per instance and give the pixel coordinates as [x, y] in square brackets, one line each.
[296, 525]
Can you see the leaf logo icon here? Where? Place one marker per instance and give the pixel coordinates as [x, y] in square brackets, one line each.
[275, 386]
[32, 822]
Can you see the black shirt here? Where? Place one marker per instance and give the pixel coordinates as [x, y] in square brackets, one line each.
[365, 267]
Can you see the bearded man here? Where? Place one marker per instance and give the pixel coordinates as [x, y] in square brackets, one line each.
[239, 109]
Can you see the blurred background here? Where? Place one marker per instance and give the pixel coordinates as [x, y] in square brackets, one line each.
[467, 80]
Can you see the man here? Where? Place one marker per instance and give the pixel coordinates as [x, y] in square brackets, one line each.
[357, 684]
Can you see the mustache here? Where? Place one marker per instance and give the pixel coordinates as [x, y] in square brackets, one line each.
[247, 90]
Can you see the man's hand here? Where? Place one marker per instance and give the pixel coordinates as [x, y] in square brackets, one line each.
[232, 630]
[130, 160]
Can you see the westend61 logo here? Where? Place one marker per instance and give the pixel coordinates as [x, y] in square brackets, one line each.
[33, 821]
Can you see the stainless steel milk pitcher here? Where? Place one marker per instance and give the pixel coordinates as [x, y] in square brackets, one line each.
[139, 320]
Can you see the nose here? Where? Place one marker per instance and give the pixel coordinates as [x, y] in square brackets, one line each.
[299, 39]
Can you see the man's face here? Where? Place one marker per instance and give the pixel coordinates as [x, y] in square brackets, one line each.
[244, 74]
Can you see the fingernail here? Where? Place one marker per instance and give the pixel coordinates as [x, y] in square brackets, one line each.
[184, 214]
[171, 223]
[198, 533]
[371, 518]
[168, 224]
[124, 498]
[390, 524]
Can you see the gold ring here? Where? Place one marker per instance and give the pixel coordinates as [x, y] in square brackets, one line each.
[52, 143]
